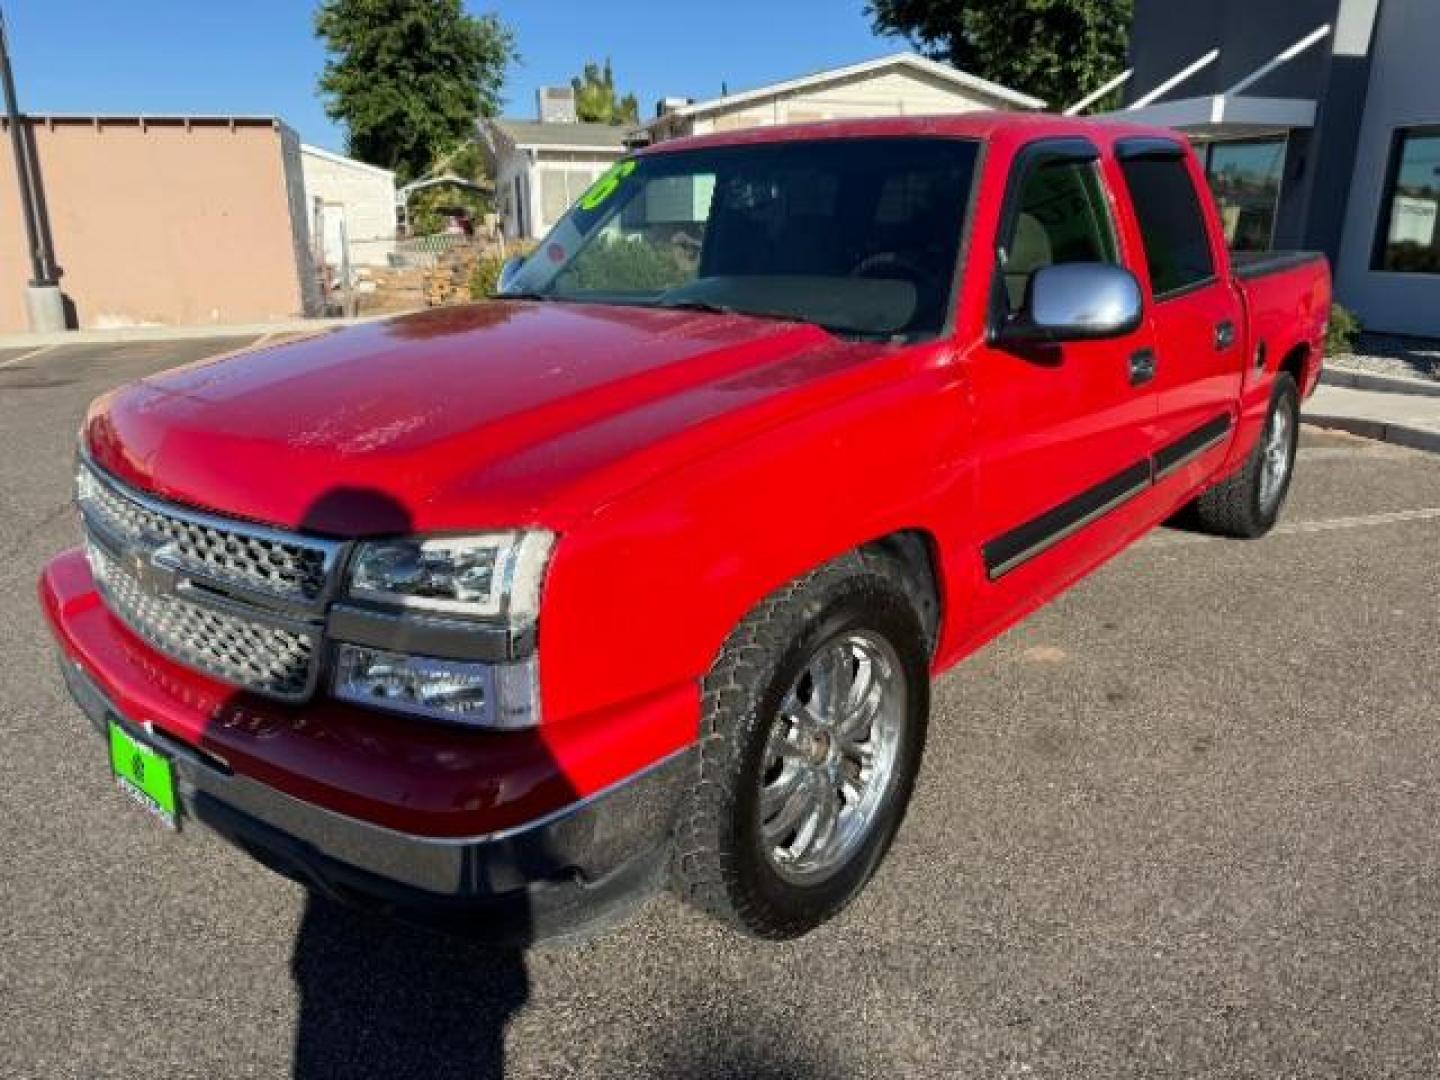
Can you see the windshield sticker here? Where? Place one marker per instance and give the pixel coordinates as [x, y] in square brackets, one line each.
[606, 186]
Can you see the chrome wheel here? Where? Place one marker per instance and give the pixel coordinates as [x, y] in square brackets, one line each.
[830, 756]
[1275, 455]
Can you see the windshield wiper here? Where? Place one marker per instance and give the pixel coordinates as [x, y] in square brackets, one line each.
[726, 309]
[524, 296]
[699, 305]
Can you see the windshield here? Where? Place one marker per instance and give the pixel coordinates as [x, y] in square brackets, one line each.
[859, 236]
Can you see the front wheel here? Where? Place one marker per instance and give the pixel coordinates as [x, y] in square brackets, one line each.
[1248, 503]
[813, 724]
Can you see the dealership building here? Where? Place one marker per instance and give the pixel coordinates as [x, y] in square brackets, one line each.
[1318, 122]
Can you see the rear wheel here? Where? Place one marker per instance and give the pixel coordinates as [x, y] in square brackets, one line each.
[813, 726]
[1248, 503]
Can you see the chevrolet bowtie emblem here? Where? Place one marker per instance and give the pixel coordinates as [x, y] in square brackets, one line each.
[152, 573]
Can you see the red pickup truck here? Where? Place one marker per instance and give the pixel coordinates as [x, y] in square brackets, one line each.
[639, 573]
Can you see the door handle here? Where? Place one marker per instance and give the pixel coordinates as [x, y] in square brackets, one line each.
[1142, 367]
[1224, 335]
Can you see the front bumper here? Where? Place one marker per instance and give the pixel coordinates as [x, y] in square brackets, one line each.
[575, 868]
[526, 835]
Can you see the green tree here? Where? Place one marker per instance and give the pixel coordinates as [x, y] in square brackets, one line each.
[409, 78]
[596, 101]
[1058, 50]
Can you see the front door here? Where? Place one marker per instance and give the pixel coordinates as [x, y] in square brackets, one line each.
[1063, 432]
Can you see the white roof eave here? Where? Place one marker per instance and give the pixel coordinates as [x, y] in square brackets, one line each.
[1198, 115]
[575, 149]
[920, 63]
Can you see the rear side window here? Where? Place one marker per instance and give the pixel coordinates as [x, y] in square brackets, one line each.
[1177, 248]
[1061, 217]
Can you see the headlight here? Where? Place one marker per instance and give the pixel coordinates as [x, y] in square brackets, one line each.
[481, 695]
[488, 576]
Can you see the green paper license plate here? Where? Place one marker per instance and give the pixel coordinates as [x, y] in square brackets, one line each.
[144, 774]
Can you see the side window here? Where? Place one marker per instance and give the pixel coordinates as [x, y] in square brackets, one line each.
[1177, 247]
[1061, 217]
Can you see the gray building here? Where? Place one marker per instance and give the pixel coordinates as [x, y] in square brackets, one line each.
[1319, 125]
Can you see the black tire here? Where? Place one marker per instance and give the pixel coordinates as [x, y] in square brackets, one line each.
[1234, 506]
[719, 863]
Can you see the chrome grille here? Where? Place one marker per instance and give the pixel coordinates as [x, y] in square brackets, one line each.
[254, 559]
[241, 602]
[270, 659]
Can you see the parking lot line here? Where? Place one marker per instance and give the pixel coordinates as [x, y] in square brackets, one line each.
[1293, 528]
[27, 355]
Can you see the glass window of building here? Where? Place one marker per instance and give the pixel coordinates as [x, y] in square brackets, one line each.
[1409, 241]
[1245, 180]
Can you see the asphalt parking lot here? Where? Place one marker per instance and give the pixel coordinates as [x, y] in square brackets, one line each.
[1182, 822]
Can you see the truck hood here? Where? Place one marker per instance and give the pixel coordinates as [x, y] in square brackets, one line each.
[500, 414]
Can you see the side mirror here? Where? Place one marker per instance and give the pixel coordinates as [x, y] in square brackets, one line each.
[508, 269]
[1076, 302]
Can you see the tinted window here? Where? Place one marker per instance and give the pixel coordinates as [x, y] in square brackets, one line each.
[1061, 218]
[1245, 180]
[1177, 248]
[1409, 239]
[858, 235]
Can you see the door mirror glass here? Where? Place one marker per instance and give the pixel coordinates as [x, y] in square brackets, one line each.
[508, 271]
[1076, 302]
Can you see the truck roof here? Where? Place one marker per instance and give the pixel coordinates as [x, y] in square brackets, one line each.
[982, 125]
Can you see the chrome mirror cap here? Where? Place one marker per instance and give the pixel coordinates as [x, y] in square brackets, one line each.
[1077, 302]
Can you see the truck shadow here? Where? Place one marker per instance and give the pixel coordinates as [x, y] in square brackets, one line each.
[382, 990]
[379, 998]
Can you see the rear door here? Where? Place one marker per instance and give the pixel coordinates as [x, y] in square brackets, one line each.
[1063, 431]
[1195, 311]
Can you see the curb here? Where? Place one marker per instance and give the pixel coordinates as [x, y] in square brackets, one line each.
[1416, 438]
[177, 333]
[1385, 384]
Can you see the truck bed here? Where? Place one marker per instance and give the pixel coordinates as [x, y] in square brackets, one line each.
[1248, 265]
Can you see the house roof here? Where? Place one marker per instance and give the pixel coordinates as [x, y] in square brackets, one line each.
[341, 159]
[534, 135]
[905, 59]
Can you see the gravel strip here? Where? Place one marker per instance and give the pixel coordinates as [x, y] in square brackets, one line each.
[1390, 354]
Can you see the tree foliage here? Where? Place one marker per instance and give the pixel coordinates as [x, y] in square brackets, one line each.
[409, 78]
[1058, 50]
[626, 264]
[596, 101]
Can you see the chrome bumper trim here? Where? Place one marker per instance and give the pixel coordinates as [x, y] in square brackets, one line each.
[584, 841]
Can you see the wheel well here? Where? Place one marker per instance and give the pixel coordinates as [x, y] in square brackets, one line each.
[914, 551]
[1295, 363]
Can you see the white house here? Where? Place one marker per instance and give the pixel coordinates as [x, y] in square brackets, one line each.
[897, 85]
[350, 204]
[542, 166]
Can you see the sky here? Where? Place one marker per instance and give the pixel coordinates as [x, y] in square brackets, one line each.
[247, 57]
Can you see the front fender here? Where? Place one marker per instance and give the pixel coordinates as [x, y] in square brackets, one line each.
[642, 594]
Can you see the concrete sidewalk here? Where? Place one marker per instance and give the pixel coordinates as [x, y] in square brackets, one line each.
[1404, 419]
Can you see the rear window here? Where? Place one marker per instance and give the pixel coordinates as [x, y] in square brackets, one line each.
[1177, 247]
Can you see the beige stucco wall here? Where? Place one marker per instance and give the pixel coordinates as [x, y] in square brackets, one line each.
[162, 223]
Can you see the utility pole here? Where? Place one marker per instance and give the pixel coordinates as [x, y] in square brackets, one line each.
[43, 299]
